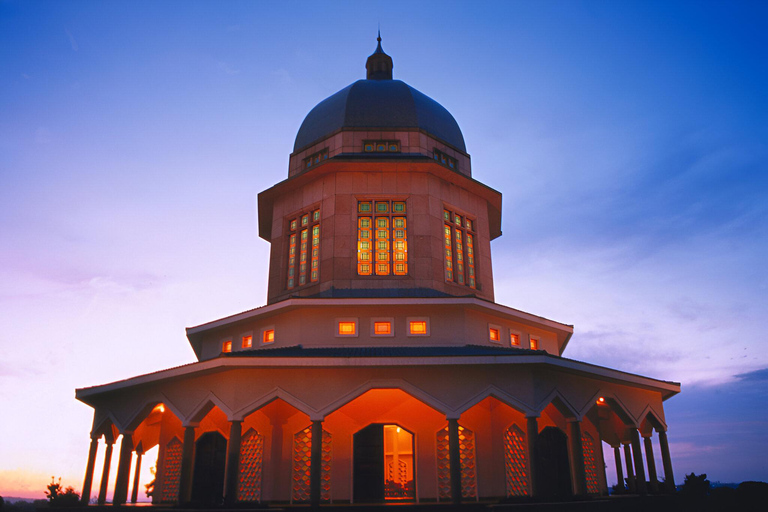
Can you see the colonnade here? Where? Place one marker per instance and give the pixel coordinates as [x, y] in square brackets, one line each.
[633, 458]
[633, 461]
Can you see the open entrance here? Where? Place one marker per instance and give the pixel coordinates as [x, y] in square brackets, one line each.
[553, 469]
[383, 457]
[210, 462]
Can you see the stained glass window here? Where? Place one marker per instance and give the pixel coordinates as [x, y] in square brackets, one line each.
[171, 471]
[516, 462]
[468, 464]
[382, 241]
[251, 460]
[302, 461]
[459, 250]
[304, 246]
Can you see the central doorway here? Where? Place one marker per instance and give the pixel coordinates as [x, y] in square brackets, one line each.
[208, 475]
[383, 464]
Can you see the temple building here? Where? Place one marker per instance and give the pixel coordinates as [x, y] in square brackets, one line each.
[380, 369]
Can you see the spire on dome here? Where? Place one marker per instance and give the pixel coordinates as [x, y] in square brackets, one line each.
[379, 65]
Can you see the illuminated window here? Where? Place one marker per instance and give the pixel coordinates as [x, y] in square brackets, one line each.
[303, 249]
[247, 341]
[445, 160]
[226, 346]
[316, 158]
[534, 343]
[514, 339]
[459, 247]
[268, 336]
[494, 334]
[346, 327]
[418, 326]
[381, 146]
[382, 239]
[382, 328]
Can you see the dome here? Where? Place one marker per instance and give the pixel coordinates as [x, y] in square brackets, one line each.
[379, 102]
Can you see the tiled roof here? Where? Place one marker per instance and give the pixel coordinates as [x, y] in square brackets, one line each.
[446, 351]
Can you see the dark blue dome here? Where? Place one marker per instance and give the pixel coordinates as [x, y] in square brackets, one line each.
[373, 104]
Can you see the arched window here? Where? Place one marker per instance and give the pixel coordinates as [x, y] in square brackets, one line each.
[251, 459]
[516, 462]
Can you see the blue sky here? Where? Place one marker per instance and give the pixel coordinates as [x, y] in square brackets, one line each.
[628, 139]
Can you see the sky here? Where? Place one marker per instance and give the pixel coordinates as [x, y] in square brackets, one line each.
[629, 141]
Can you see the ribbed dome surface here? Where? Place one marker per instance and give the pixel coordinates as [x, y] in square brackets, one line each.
[373, 104]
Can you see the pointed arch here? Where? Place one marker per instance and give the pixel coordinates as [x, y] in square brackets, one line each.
[204, 407]
[400, 384]
[501, 396]
[143, 410]
[105, 424]
[276, 393]
[649, 418]
[561, 403]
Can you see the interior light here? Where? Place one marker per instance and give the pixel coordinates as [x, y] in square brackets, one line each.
[398, 430]
[601, 400]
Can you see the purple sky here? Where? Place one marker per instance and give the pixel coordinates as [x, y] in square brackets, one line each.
[628, 140]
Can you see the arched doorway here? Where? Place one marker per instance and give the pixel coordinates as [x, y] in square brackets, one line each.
[210, 462]
[383, 458]
[553, 469]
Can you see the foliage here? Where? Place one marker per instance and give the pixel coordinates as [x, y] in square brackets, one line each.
[150, 487]
[695, 486]
[58, 497]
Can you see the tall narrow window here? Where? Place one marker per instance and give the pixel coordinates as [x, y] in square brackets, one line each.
[459, 242]
[303, 249]
[382, 238]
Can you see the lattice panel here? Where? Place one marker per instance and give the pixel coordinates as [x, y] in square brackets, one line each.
[590, 463]
[172, 471]
[468, 465]
[251, 461]
[516, 462]
[302, 461]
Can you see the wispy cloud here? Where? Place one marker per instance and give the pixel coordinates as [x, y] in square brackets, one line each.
[72, 40]
[225, 67]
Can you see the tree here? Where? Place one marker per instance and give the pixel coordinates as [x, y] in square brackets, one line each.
[695, 486]
[61, 498]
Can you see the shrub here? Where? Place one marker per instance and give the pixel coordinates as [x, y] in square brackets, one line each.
[58, 497]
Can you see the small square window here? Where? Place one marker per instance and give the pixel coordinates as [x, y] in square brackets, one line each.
[382, 206]
[364, 206]
[346, 327]
[494, 334]
[368, 148]
[514, 339]
[382, 327]
[268, 336]
[447, 215]
[305, 220]
[316, 215]
[418, 326]
[294, 223]
[226, 346]
[398, 206]
[247, 341]
[534, 343]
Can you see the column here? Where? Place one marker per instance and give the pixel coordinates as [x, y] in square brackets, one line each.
[532, 436]
[669, 477]
[233, 463]
[577, 456]
[85, 497]
[137, 474]
[651, 464]
[187, 463]
[316, 463]
[619, 471]
[123, 469]
[454, 454]
[637, 455]
[630, 472]
[105, 471]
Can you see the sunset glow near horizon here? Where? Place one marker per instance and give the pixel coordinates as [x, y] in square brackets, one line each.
[628, 140]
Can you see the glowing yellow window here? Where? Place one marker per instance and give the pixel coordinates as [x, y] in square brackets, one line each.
[382, 328]
[514, 339]
[494, 334]
[418, 327]
[247, 341]
[268, 336]
[347, 328]
[226, 346]
[534, 344]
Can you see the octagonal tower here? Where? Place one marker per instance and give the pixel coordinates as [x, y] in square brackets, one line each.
[379, 200]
